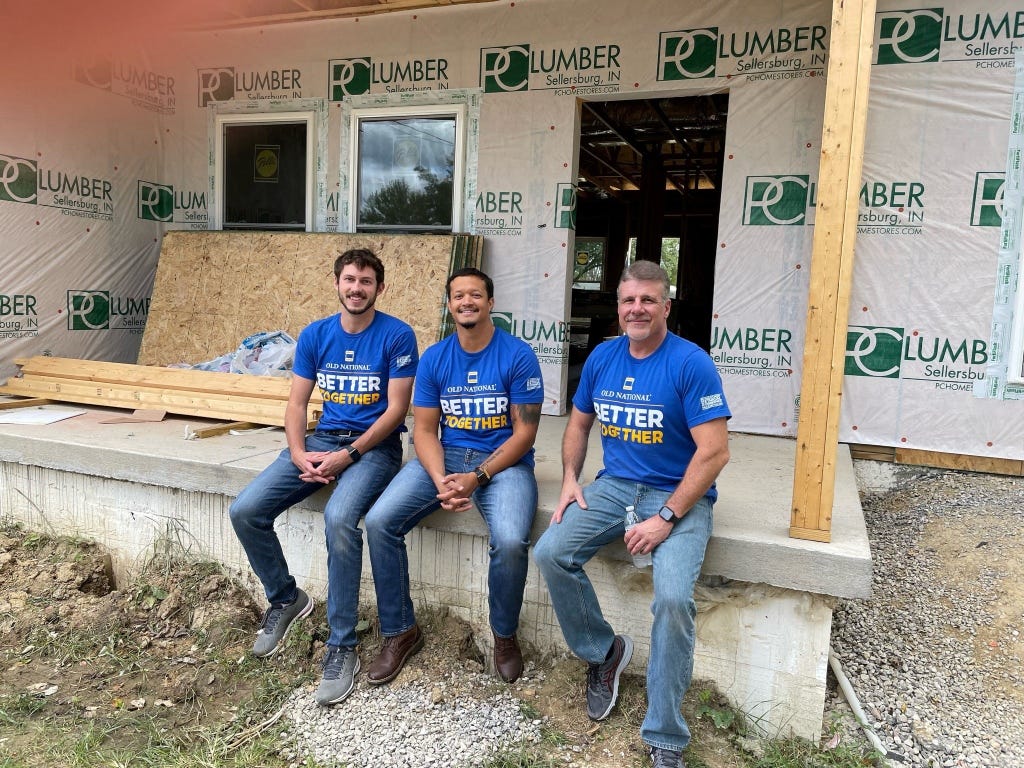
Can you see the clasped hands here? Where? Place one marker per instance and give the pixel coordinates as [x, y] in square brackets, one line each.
[321, 466]
[452, 491]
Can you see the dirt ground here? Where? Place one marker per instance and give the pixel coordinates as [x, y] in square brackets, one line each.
[168, 653]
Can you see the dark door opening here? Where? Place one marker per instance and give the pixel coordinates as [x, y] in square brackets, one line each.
[649, 187]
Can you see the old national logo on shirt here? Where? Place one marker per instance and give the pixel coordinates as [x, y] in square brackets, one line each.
[474, 406]
[349, 383]
[629, 416]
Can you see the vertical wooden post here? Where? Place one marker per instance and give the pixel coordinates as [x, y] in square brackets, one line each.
[835, 230]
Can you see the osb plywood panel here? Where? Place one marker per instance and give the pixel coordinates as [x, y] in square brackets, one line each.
[213, 289]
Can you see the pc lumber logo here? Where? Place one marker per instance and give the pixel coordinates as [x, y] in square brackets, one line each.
[505, 69]
[98, 74]
[156, 201]
[217, 84]
[987, 205]
[349, 77]
[688, 54]
[776, 200]
[874, 351]
[88, 310]
[19, 180]
[565, 207]
[908, 37]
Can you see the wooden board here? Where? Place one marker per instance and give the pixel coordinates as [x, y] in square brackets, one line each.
[831, 274]
[213, 289]
[938, 459]
[207, 394]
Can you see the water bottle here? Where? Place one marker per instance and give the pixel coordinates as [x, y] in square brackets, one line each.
[643, 559]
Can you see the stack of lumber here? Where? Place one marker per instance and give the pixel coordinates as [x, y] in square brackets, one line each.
[206, 394]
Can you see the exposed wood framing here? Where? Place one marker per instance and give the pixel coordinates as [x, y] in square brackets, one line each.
[336, 10]
[835, 230]
[920, 458]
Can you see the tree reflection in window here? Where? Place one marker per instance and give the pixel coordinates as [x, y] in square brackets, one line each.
[406, 170]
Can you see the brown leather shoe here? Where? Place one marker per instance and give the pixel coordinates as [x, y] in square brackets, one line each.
[393, 655]
[508, 659]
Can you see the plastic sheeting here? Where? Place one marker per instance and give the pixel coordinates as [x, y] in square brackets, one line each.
[76, 280]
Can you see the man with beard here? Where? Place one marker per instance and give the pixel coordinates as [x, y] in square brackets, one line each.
[363, 362]
[482, 388]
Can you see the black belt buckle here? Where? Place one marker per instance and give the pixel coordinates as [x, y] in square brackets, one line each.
[341, 432]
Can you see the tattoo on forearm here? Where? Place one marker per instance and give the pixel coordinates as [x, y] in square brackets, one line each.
[493, 457]
[528, 413]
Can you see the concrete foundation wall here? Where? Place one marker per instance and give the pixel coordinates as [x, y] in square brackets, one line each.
[765, 647]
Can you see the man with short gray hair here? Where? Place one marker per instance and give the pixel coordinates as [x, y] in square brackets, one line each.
[663, 418]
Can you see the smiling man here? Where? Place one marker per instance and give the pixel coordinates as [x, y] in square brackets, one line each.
[363, 362]
[663, 433]
[481, 387]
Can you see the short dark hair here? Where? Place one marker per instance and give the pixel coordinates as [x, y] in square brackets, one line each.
[362, 258]
[469, 272]
[642, 269]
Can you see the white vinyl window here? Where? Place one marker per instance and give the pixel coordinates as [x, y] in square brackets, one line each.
[1015, 361]
[263, 171]
[408, 165]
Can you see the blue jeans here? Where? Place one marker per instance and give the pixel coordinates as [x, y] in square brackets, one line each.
[507, 504]
[278, 487]
[566, 547]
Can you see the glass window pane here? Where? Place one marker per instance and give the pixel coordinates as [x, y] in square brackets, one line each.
[588, 267]
[265, 176]
[406, 169]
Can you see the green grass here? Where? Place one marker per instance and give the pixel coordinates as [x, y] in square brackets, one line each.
[523, 757]
[800, 753]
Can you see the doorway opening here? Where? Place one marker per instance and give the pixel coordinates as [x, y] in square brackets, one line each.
[649, 187]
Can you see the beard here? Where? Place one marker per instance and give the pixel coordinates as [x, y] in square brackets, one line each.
[370, 301]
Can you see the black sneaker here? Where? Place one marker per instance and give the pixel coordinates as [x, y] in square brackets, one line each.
[277, 620]
[603, 678]
[666, 758]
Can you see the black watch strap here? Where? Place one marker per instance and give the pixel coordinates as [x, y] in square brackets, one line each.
[667, 514]
[353, 453]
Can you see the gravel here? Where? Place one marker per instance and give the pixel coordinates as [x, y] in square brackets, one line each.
[934, 654]
[457, 721]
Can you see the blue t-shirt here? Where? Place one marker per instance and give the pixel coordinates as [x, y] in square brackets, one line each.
[352, 370]
[646, 407]
[474, 390]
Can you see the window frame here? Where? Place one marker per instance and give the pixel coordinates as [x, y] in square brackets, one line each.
[222, 120]
[1015, 361]
[455, 110]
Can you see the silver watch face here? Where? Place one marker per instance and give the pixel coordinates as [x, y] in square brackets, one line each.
[667, 515]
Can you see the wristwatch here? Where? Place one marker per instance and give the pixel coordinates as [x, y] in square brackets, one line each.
[482, 478]
[668, 515]
[353, 453]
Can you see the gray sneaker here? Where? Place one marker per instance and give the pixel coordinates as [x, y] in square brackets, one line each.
[603, 678]
[340, 666]
[666, 758]
[277, 620]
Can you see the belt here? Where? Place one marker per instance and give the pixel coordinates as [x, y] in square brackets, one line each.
[339, 432]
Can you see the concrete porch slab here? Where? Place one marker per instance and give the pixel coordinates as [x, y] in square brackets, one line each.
[750, 541]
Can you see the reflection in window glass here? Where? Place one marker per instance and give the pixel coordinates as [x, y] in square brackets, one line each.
[406, 169]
